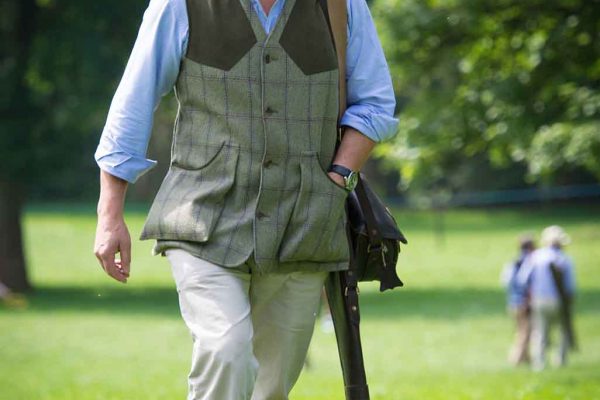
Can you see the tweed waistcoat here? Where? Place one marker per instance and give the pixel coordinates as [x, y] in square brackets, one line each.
[254, 134]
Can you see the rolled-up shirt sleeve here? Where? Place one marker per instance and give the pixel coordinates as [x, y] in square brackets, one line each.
[151, 72]
[371, 100]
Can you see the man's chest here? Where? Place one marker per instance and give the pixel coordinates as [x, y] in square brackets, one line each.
[267, 5]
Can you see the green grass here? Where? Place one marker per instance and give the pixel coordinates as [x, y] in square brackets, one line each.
[444, 336]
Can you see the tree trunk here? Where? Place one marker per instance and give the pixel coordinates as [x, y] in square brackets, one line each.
[16, 111]
[12, 258]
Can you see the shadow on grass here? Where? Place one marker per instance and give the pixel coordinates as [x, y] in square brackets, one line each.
[160, 301]
[434, 303]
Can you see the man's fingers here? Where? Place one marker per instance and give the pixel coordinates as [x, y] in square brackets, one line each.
[121, 269]
[115, 272]
[107, 261]
[125, 252]
[100, 255]
[112, 238]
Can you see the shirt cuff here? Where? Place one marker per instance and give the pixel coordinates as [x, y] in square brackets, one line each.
[376, 126]
[123, 165]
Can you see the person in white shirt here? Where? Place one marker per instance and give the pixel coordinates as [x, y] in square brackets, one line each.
[546, 302]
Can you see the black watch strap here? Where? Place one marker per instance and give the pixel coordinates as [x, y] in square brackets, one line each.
[340, 169]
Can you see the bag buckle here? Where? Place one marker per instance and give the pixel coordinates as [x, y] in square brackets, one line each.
[354, 287]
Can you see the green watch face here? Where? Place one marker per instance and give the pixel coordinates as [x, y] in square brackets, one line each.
[351, 181]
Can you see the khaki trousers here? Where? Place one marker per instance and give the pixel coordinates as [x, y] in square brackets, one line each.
[250, 332]
[546, 317]
[519, 352]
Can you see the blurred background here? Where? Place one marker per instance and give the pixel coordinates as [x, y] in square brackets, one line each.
[499, 107]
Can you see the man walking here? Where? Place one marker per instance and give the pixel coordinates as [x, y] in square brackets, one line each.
[251, 212]
[549, 276]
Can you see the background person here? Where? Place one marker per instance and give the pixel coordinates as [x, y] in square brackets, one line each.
[517, 300]
[546, 302]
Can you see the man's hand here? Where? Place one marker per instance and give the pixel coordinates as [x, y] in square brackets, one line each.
[112, 235]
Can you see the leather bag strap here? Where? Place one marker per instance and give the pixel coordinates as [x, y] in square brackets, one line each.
[344, 305]
[338, 20]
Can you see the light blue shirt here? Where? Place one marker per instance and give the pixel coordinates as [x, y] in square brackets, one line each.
[153, 67]
[537, 276]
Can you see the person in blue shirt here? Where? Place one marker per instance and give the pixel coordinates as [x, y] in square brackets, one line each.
[263, 98]
[537, 276]
[517, 302]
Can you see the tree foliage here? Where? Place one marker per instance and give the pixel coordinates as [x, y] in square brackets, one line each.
[61, 62]
[502, 80]
[58, 67]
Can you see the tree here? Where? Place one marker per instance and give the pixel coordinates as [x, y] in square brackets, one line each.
[17, 126]
[512, 84]
[60, 63]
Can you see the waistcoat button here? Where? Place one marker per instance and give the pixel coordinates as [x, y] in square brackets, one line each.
[261, 215]
[268, 58]
[269, 111]
[267, 163]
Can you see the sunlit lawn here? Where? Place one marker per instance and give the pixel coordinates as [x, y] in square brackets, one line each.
[443, 336]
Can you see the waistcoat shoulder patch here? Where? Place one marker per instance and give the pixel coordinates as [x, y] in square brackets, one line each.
[307, 40]
[220, 33]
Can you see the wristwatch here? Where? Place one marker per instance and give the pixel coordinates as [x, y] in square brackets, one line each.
[350, 177]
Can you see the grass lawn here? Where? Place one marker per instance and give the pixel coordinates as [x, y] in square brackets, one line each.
[443, 336]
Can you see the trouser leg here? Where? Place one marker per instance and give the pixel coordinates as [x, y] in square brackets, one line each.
[539, 336]
[526, 334]
[284, 308]
[563, 345]
[215, 306]
[520, 350]
[553, 318]
[560, 357]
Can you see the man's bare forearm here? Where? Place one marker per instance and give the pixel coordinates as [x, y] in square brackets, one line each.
[112, 196]
[112, 235]
[353, 153]
[354, 150]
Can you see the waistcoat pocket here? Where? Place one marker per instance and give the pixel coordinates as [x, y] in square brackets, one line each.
[316, 229]
[190, 200]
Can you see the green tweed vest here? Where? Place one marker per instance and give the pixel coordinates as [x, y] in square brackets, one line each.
[254, 134]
